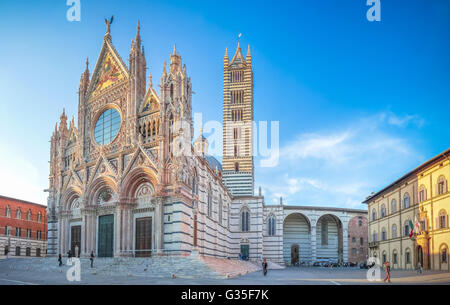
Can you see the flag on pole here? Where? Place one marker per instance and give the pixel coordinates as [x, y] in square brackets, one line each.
[411, 228]
[416, 226]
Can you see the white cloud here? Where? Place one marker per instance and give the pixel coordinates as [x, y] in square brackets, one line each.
[341, 167]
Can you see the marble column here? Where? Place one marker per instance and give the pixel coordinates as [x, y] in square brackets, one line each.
[159, 224]
[345, 241]
[313, 242]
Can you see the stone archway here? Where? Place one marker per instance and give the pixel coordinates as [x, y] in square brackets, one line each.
[420, 255]
[329, 237]
[296, 237]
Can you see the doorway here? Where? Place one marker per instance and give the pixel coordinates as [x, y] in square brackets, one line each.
[105, 235]
[143, 245]
[420, 255]
[294, 255]
[75, 240]
[245, 251]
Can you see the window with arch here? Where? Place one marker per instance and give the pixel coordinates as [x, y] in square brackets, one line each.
[236, 166]
[271, 225]
[8, 211]
[394, 230]
[384, 257]
[422, 193]
[444, 258]
[374, 236]
[441, 186]
[18, 214]
[209, 201]
[29, 215]
[39, 218]
[245, 220]
[374, 215]
[394, 257]
[442, 220]
[220, 209]
[383, 210]
[406, 201]
[383, 234]
[171, 91]
[408, 257]
[393, 206]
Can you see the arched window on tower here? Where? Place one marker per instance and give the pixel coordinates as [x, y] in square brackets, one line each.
[245, 220]
[271, 226]
[171, 91]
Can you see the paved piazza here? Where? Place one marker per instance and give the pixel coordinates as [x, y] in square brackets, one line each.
[289, 276]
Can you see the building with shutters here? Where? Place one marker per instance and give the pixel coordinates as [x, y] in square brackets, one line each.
[23, 228]
[128, 179]
[419, 199]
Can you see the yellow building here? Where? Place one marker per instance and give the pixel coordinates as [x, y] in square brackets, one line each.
[420, 197]
[434, 205]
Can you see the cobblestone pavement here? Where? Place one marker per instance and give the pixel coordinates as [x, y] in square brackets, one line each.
[288, 276]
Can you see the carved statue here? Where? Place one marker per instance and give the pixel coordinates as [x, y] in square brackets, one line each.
[108, 24]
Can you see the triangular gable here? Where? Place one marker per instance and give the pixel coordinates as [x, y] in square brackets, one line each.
[238, 58]
[108, 70]
[150, 103]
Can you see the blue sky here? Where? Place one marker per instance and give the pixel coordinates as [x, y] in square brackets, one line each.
[359, 103]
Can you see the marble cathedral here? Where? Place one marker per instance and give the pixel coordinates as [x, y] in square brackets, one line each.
[120, 187]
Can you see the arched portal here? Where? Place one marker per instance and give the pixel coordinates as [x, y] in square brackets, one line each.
[294, 255]
[329, 237]
[296, 237]
[420, 255]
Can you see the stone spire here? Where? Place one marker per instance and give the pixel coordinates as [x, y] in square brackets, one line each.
[175, 60]
[138, 36]
[84, 81]
[226, 60]
[248, 58]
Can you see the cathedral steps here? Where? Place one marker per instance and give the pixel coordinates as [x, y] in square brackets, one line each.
[195, 266]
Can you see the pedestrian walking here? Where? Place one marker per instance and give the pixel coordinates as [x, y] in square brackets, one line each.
[92, 259]
[387, 268]
[419, 268]
[264, 265]
[60, 260]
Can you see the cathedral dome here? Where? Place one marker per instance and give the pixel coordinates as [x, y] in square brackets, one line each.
[213, 162]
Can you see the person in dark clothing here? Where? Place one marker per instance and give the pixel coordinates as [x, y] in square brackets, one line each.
[92, 259]
[264, 265]
[60, 260]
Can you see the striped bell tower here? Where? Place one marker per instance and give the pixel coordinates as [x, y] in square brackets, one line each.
[237, 159]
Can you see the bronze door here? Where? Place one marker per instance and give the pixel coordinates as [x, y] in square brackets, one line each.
[143, 237]
[75, 240]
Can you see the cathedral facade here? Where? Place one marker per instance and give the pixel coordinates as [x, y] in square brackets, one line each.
[128, 179]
